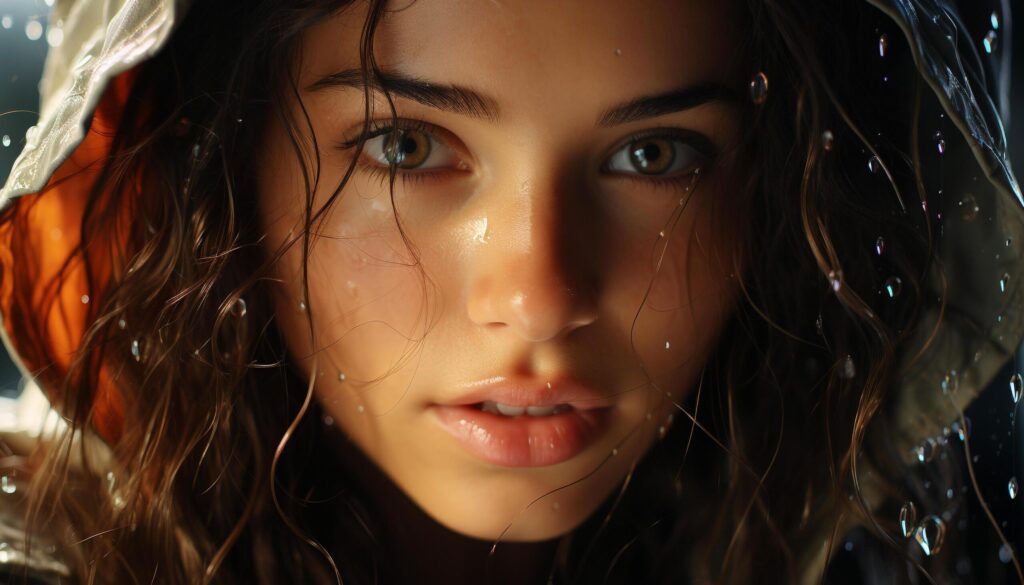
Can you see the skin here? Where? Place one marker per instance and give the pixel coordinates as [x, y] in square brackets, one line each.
[529, 254]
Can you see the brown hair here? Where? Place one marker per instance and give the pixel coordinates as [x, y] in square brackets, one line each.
[210, 479]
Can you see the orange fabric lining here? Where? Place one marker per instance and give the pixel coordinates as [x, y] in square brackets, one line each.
[51, 221]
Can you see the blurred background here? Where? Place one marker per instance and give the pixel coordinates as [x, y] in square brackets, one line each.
[26, 35]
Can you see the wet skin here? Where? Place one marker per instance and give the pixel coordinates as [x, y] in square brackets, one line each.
[531, 237]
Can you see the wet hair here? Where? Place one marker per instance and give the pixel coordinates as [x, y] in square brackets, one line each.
[211, 476]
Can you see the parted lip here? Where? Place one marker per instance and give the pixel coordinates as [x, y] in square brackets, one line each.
[532, 391]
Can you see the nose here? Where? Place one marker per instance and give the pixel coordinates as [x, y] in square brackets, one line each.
[532, 277]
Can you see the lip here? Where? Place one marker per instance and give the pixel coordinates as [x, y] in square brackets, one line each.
[524, 440]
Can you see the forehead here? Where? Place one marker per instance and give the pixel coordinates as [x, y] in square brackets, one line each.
[541, 55]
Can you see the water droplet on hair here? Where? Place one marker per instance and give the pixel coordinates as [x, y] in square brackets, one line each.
[990, 42]
[908, 519]
[7, 484]
[195, 150]
[993, 19]
[893, 286]
[848, 369]
[661, 234]
[55, 36]
[963, 431]
[950, 382]
[1016, 387]
[1012, 488]
[1005, 553]
[85, 299]
[34, 30]
[880, 246]
[136, 350]
[122, 324]
[6, 141]
[615, 452]
[930, 534]
[835, 279]
[239, 308]
[925, 452]
[1004, 281]
[968, 208]
[883, 45]
[759, 88]
[827, 140]
[662, 431]
[6, 21]
[874, 164]
[940, 142]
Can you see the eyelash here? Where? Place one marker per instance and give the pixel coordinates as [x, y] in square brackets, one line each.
[704, 149]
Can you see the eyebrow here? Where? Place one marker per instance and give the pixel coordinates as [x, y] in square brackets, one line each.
[458, 99]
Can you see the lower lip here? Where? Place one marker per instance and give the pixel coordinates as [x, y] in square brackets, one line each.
[524, 440]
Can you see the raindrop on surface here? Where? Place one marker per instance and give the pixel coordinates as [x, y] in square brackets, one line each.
[1004, 281]
[848, 369]
[835, 279]
[6, 141]
[893, 286]
[874, 164]
[136, 350]
[7, 485]
[969, 208]
[34, 30]
[879, 245]
[1012, 488]
[950, 382]
[994, 20]
[759, 88]
[883, 45]
[6, 21]
[1005, 554]
[930, 534]
[239, 309]
[908, 519]
[990, 41]
[341, 376]
[925, 452]
[827, 139]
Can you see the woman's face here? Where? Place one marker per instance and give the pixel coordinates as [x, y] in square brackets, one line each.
[543, 247]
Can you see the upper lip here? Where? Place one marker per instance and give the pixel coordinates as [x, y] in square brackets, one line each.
[532, 391]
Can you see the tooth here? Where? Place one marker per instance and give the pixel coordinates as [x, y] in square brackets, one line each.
[510, 410]
[540, 410]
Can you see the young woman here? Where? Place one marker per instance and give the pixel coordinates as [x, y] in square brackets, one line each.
[507, 292]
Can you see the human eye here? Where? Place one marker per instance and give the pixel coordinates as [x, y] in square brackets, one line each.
[660, 156]
[412, 147]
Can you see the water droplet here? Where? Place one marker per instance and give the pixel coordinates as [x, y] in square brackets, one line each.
[1004, 282]
[990, 41]
[1005, 554]
[328, 420]
[874, 164]
[136, 350]
[668, 344]
[122, 324]
[618, 52]
[7, 485]
[6, 141]
[33, 30]
[925, 452]
[963, 431]
[819, 324]
[85, 299]
[940, 142]
[759, 88]
[827, 140]
[239, 309]
[360, 408]
[6, 21]
[883, 45]
[994, 20]
[55, 36]
[880, 245]
[893, 286]
[302, 305]
[30, 133]
[950, 382]
[1012, 488]
[848, 369]
[969, 208]
[835, 279]
[908, 519]
[930, 534]
[615, 452]
[662, 431]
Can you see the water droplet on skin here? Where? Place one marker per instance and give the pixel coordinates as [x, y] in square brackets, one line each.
[883, 45]
[994, 20]
[835, 279]
[1016, 387]
[239, 309]
[930, 534]
[848, 369]
[1004, 281]
[302, 305]
[6, 21]
[969, 208]
[908, 519]
[1012, 488]
[893, 286]
[874, 164]
[990, 42]
[661, 234]
[6, 141]
[341, 376]
[360, 408]
[33, 30]
[7, 485]
[668, 344]
[950, 382]
[85, 299]
[879, 246]
[827, 140]
[136, 350]
[759, 88]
